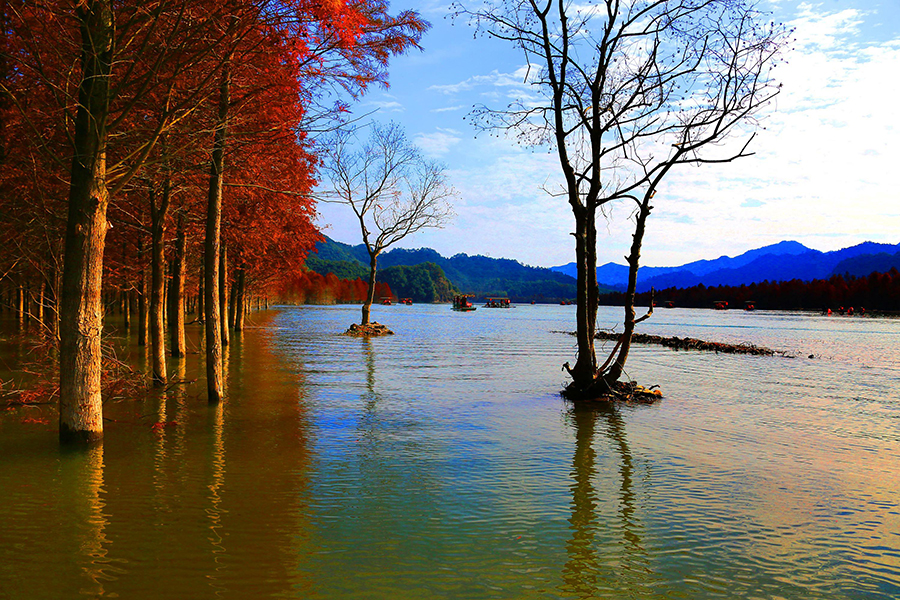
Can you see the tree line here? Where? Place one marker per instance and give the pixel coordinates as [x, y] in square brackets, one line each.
[161, 155]
[875, 292]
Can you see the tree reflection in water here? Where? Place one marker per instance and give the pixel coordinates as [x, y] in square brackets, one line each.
[82, 469]
[605, 551]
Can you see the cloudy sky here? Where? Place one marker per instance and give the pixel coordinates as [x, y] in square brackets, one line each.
[823, 173]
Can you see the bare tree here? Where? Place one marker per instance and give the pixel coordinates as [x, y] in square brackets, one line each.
[624, 91]
[393, 190]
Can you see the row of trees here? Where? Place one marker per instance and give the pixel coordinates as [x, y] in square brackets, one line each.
[314, 288]
[168, 141]
[877, 291]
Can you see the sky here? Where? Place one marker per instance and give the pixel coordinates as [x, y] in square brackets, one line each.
[823, 172]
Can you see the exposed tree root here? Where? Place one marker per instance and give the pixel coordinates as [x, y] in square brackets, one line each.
[373, 329]
[620, 391]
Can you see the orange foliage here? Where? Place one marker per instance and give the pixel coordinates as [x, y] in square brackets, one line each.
[310, 287]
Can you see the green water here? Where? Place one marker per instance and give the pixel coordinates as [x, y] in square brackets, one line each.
[441, 463]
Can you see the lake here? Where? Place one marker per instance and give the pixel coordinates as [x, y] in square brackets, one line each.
[442, 463]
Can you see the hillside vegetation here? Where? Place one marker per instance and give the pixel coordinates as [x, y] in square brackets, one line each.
[479, 275]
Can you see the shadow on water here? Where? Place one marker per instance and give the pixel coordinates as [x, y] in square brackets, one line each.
[605, 551]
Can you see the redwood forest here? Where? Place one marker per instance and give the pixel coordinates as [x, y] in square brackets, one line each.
[158, 155]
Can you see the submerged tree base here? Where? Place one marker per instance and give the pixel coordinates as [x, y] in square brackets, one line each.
[620, 391]
[372, 329]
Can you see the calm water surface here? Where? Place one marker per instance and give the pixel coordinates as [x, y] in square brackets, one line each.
[442, 463]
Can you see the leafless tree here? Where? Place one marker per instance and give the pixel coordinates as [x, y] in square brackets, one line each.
[393, 190]
[623, 91]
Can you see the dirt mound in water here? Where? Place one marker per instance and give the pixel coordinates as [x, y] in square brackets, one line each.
[373, 329]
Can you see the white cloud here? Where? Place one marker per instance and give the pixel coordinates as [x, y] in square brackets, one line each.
[439, 142]
[386, 105]
[823, 169]
[450, 108]
[518, 78]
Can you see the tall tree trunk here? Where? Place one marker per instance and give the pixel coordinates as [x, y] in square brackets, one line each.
[126, 308]
[614, 372]
[240, 302]
[28, 302]
[57, 298]
[214, 383]
[143, 309]
[80, 406]
[200, 298]
[370, 295]
[587, 296]
[157, 270]
[20, 302]
[232, 302]
[223, 296]
[176, 292]
[42, 295]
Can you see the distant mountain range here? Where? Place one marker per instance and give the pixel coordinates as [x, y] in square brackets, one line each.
[480, 275]
[779, 262]
[501, 277]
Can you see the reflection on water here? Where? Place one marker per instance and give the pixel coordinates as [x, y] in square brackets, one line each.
[441, 462]
[82, 470]
[606, 564]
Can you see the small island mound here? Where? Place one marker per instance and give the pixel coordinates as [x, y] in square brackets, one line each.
[372, 329]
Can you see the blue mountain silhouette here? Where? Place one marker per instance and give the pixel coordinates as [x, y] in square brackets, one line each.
[779, 262]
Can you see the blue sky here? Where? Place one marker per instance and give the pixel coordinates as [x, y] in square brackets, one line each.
[823, 173]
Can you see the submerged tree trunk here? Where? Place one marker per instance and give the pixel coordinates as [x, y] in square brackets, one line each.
[214, 383]
[80, 406]
[370, 296]
[157, 270]
[176, 292]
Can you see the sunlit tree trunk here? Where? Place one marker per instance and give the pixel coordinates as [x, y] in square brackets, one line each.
[42, 295]
[80, 407]
[126, 308]
[232, 302]
[176, 292]
[223, 296]
[201, 314]
[143, 309]
[157, 278]
[240, 302]
[214, 383]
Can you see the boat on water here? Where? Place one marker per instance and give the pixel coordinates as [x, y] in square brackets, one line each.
[462, 303]
[406, 301]
[497, 303]
[386, 301]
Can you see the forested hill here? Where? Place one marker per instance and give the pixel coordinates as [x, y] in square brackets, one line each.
[480, 275]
